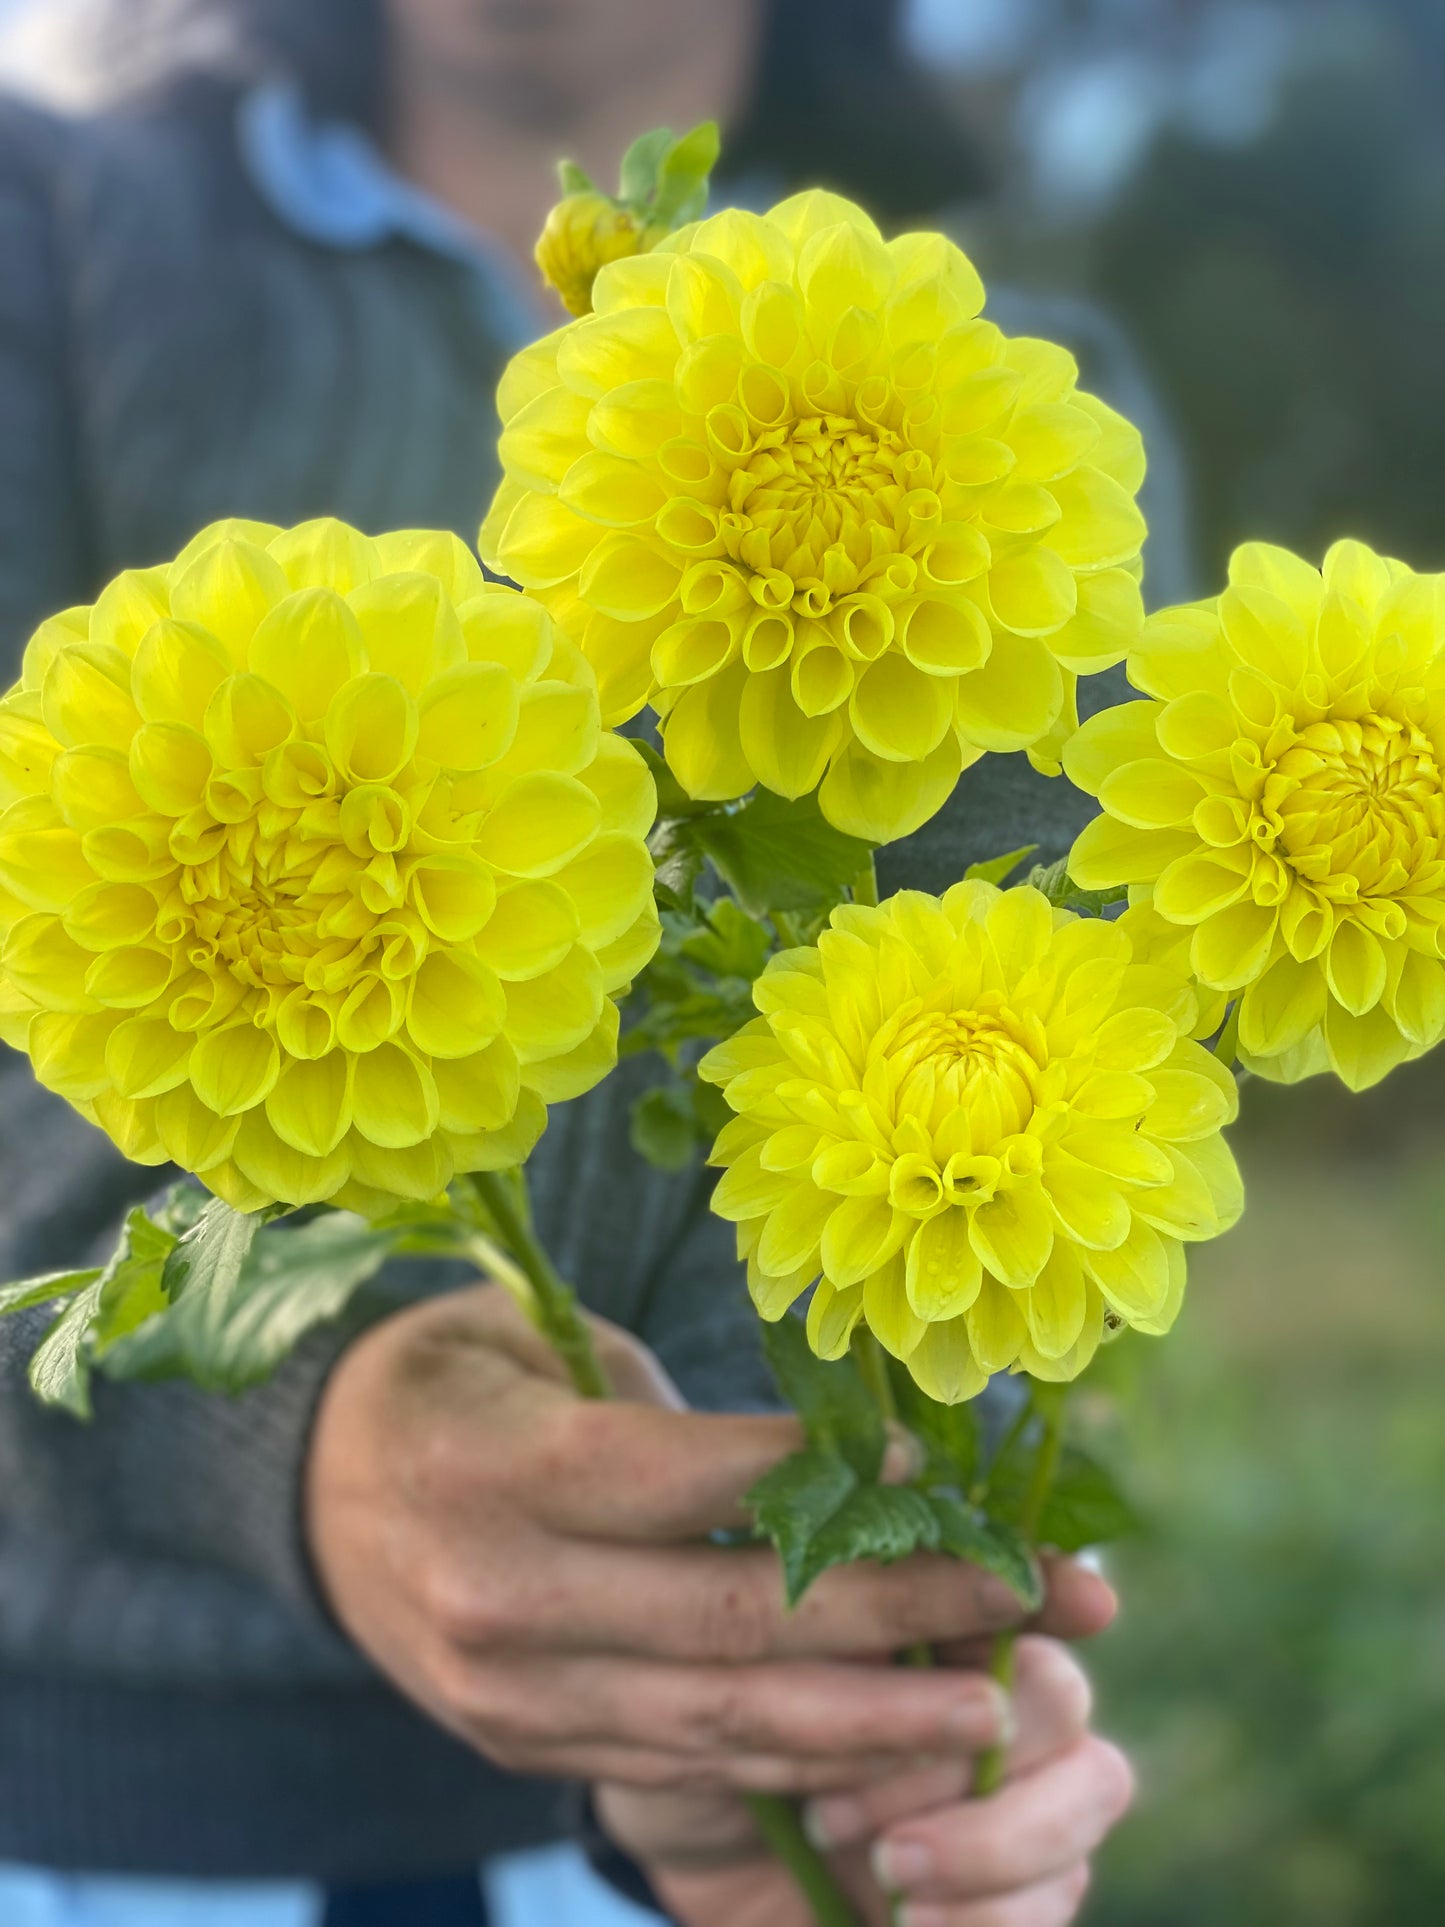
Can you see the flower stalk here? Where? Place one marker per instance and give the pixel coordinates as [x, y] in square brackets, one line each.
[551, 1303]
[523, 1267]
[1048, 1404]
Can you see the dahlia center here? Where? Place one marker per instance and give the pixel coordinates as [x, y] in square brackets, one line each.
[976, 1061]
[822, 502]
[1356, 796]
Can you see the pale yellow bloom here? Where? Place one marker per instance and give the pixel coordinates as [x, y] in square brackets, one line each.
[979, 1123]
[583, 233]
[318, 874]
[1278, 803]
[786, 485]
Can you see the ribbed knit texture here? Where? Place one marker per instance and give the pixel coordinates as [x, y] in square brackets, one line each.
[173, 1696]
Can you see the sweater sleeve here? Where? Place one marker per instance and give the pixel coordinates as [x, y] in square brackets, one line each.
[45, 562]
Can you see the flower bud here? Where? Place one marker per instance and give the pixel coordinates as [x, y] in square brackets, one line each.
[583, 233]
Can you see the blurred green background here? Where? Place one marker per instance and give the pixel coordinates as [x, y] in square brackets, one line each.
[1257, 191]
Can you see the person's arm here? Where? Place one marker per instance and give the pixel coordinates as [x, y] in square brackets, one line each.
[45, 552]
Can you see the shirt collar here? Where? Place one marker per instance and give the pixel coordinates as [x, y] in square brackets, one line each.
[330, 184]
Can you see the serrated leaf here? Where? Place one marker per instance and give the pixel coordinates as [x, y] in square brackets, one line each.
[293, 1279]
[59, 1370]
[996, 1546]
[880, 1522]
[1054, 882]
[133, 1286]
[794, 1501]
[44, 1289]
[638, 176]
[1084, 1506]
[662, 1126]
[210, 1255]
[999, 867]
[949, 1434]
[779, 855]
[732, 944]
[829, 1396]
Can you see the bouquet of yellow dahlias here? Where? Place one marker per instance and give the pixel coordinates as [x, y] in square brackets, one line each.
[323, 871]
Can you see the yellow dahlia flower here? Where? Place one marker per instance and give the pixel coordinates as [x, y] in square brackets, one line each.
[1278, 802]
[585, 231]
[318, 872]
[787, 486]
[979, 1125]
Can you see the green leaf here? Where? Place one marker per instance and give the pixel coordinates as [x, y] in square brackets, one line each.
[829, 1396]
[574, 179]
[663, 1127]
[226, 1338]
[777, 855]
[1084, 1508]
[638, 178]
[794, 1501]
[59, 1370]
[732, 945]
[964, 1533]
[682, 175]
[133, 1286]
[42, 1290]
[999, 867]
[949, 1434]
[1054, 881]
[210, 1255]
[881, 1522]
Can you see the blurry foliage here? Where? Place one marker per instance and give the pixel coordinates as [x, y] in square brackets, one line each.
[1289, 296]
[1279, 1670]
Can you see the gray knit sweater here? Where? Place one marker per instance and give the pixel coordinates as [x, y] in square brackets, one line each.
[173, 1696]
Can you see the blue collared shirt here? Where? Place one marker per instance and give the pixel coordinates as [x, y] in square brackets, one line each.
[331, 184]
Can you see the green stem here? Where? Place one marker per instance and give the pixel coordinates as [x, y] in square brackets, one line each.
[552, 1303]
[1048, 1403]
[865, 884]
[778, 1822]
[872, 1365]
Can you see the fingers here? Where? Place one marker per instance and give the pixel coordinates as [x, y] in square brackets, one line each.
[1033, 1831]
[1050, 1904]
[707, 1712]
[703, 1604]
[1049, 1713]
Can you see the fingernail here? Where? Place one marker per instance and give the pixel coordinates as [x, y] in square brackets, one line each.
[834, 1822]
[904, 1458]
[987, 1720]
[901, 1863]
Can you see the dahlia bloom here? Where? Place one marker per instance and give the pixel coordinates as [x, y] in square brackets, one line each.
[787, 486]
[318, 873]
[980, 1126]
[1277, 803]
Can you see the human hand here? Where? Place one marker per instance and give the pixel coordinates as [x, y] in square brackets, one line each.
[531, 1568]
[1017, 1859]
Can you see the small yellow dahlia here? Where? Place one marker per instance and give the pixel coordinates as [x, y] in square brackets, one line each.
[787, 486]
[317, 873]
[979, 1125]
[1278, 803]
[585, 231]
